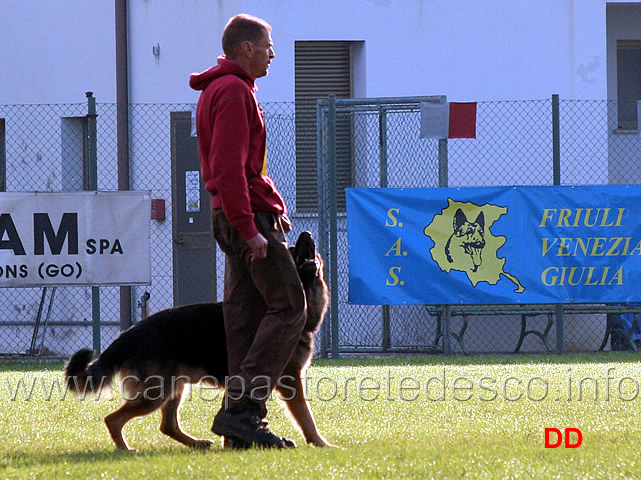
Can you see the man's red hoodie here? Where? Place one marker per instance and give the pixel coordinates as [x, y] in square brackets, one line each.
[231, 142]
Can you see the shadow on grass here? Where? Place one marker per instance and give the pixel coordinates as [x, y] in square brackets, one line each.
[28, 459]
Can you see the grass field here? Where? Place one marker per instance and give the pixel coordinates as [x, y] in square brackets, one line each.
[418, 417]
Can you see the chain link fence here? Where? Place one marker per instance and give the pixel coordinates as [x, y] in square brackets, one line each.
[42, 149]
[37, 141]
[514, 145]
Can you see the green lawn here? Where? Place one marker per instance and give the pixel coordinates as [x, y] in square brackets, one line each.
[418, 417]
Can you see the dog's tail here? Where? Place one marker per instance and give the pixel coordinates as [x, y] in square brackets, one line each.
[85, 376]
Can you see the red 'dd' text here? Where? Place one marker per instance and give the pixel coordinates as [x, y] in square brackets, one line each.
[554, 438]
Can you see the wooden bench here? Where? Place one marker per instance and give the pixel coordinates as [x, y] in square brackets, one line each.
[532, 310]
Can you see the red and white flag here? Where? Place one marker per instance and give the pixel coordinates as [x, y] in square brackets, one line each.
[448, 120]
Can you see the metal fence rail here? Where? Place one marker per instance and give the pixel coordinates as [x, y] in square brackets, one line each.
[515, 145]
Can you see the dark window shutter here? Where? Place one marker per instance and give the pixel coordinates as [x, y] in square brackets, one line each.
[628, 82]
[320, 69]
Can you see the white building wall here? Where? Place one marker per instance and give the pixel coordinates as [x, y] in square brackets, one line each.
[52, 52]
[55, 51]
[466, 49]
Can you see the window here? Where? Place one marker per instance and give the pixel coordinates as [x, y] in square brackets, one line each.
[72, 147]
[628, 82]
[320, 69]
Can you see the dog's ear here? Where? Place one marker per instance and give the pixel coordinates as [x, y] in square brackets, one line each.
[480, 220]
[459, 219]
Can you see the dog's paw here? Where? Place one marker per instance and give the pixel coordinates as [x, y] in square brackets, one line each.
[326, 444]
[126, 451]
[201, 444]
[321, 442]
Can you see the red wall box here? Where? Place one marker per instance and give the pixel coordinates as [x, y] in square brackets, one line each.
[157, 208]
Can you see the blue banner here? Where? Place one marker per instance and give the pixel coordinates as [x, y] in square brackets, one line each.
[547, 244]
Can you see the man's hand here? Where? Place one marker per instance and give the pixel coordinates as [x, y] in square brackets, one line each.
[258, 244]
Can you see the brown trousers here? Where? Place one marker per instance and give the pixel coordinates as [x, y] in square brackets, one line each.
[264, 309]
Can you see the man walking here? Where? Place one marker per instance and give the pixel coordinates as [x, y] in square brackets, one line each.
[264, 301]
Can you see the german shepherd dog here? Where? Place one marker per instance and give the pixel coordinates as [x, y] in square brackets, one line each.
[160, 355]
[466, 242]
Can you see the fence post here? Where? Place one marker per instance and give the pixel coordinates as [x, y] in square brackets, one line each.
[92, 158]
[446, 316]
[333, 221]
[560, 328]
[3, 157]
[443, 181]
[556, 141]
[382, 152]
[92, 185]
[322, 217]
[556, 174]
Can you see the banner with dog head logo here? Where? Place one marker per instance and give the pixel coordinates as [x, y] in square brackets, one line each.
[547, 244]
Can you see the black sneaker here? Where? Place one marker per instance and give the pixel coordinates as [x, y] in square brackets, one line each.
[245, 426]
[237, 444]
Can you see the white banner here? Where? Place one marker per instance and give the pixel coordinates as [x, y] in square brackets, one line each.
[435, 120]
[75, 238]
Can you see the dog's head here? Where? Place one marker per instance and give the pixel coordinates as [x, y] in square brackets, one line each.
[470, 235]
[310, 270]
[308, 263]
[472, 232]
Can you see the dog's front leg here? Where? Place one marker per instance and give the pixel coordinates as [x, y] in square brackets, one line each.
[292, 392]
[170, 424]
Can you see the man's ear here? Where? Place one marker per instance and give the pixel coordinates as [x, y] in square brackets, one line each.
[246, 48]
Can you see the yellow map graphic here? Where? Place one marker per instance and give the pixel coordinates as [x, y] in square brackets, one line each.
[464, 242]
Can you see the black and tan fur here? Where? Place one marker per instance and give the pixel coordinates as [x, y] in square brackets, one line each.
[159, 356]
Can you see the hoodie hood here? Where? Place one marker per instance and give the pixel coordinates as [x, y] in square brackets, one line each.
[200, 81]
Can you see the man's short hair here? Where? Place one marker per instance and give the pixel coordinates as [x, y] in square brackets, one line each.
[241, 28]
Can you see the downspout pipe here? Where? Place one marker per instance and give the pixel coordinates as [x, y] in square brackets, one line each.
[122, 129]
